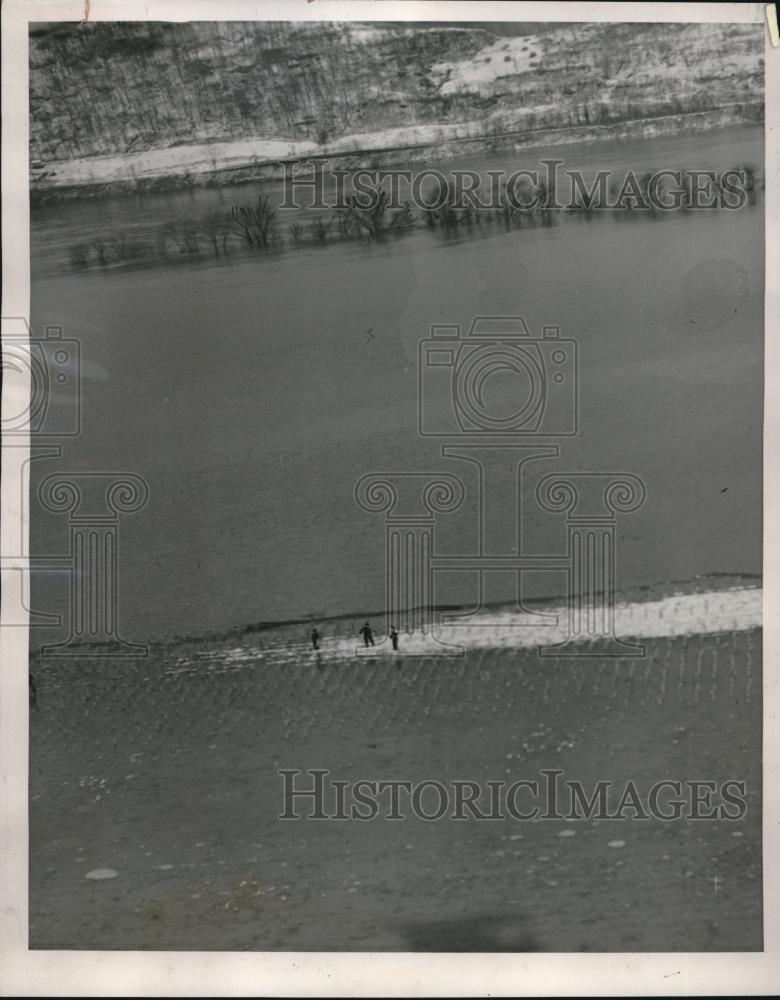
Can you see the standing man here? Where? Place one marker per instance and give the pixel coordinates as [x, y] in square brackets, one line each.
[368, 636]
[315, 639]
[394, 637]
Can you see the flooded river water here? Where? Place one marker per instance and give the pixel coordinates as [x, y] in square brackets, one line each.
[252, 391]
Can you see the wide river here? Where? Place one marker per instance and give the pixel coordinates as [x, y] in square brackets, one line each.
[251, 392]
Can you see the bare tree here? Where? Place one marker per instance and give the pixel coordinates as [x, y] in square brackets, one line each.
[254, 223]
[217, 228]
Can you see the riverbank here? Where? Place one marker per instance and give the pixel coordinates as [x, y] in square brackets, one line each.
[155, 798]
[706, 606]
[251, 160]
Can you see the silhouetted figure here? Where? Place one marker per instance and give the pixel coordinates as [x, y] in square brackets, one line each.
[368, 635]
[33, 692]
[394, 636]
[315, 639]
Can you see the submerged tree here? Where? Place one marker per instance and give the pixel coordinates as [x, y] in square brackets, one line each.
[254, 223]
[217, 229]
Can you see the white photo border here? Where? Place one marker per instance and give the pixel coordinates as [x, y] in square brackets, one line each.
[74, 973]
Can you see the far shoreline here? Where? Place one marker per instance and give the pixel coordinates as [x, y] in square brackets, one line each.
[184, 167]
